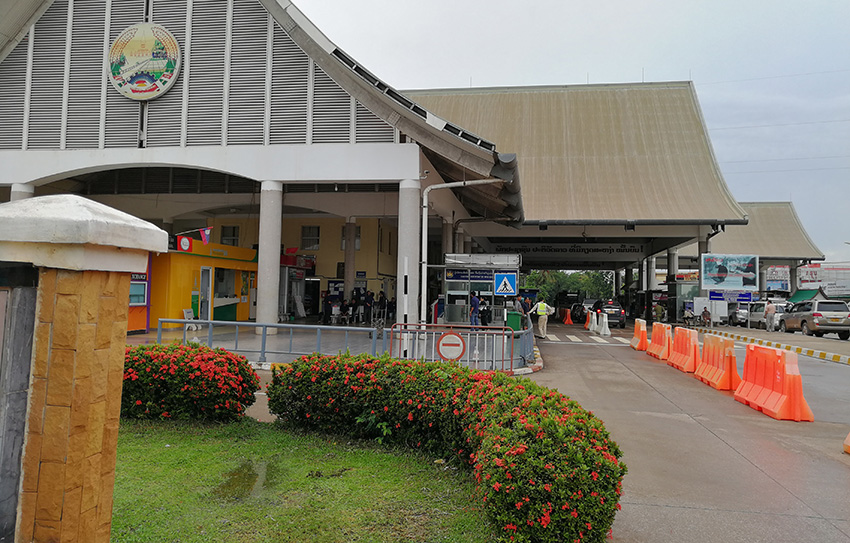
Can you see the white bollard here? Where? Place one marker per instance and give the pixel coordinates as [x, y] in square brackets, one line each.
[603, 326]
[594, 325]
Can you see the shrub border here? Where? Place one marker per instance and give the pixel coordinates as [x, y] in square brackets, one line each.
[546, 469]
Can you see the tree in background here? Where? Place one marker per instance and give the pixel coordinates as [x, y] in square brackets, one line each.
[594, 284]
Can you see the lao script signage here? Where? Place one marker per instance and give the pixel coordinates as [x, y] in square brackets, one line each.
[605, 252]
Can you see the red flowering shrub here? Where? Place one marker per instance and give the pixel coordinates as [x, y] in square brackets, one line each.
[186, 382]
[546, 469]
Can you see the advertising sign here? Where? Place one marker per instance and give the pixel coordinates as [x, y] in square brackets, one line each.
[729, 272]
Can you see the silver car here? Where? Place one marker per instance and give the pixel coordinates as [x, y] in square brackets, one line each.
[817, 317]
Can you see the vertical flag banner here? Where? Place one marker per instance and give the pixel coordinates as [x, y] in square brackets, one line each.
[205, 234]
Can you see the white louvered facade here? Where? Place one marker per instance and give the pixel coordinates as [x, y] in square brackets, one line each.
[243, 81]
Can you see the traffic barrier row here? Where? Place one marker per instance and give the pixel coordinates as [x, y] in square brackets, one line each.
[718, 367]
[662, 341]
[638, 341]
[773, 385]
[685, 354]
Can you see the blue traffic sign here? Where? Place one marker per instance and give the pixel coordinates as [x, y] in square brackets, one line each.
[505, 284]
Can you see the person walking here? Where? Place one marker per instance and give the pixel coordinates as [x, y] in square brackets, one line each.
[769, 316]
[519, 307]
[543, 311]
[474, 304]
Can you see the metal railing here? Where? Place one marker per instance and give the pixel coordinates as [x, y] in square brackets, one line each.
[276, 343]
[490, 348]
[476, 347]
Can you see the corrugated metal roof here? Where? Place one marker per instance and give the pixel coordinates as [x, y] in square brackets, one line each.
[774, 232]
[600, 153]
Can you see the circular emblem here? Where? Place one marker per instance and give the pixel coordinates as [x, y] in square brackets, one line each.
[185, 244]
[144, 61]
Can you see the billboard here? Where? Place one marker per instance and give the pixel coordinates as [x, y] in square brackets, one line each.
[729, 272]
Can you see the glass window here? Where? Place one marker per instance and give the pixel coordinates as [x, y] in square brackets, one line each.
[356, 239]
[138, 293]
[230, 235]
[309, 237]
[225, 283]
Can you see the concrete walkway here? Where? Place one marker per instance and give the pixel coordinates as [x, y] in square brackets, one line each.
[703, 467]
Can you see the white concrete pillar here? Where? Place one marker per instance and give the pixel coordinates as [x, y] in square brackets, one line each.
[467, 244]
[642, 275]
[409, 232]
[703, 247]
[21, 191]
[448, 238]
[792, 279]
[458, 242]
[652, 280]
[349, 257]
[168, 225]
[268, 254]
[618, 284]
[673, 304]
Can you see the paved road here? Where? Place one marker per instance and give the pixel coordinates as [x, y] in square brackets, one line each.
[703, 467]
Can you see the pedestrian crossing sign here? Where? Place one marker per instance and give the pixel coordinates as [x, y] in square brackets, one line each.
[505, 284]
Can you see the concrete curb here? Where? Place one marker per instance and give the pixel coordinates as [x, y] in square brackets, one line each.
[823, 355]
[533, 368]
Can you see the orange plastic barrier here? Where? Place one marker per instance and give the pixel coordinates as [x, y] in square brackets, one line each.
[772, 384]
[568, 319]
[685, 354]
[662, 341]
[718, 367]
[638, 341]
[587, 322]
[847, 444]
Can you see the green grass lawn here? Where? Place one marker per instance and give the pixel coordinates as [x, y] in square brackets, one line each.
[254, 482]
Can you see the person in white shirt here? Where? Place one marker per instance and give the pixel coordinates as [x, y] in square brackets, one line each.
[769, 316]
[543, 310]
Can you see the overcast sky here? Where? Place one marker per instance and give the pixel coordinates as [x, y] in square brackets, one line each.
[772, 76]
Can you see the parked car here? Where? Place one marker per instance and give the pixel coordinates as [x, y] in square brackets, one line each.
[817, 317]
[738, 314]
[758, 319]
[616, 314]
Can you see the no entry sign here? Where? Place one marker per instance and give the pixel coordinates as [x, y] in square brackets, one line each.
[451, 346]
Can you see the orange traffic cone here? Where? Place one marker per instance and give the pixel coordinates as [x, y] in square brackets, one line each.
[567, 319]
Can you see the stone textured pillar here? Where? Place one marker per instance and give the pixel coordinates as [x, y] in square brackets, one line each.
[268, 253]
[75, 405]
[409, 230]
[84, 252]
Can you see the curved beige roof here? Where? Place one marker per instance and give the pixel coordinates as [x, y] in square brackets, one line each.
[774, 233]
[600, 153]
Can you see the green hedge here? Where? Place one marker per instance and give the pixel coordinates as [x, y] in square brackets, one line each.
[186, 382]
[546, 469]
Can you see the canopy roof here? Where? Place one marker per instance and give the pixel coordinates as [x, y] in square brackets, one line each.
[601, 154]
[773, 233]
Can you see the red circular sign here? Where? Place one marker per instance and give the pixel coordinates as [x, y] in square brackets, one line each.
[451, 346]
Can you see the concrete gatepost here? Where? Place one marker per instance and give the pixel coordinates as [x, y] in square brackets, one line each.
[82, 254]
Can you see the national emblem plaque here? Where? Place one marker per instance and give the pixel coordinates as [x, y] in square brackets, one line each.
[144, 61]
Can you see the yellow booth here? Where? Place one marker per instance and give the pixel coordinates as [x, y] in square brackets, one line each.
[214, 281]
